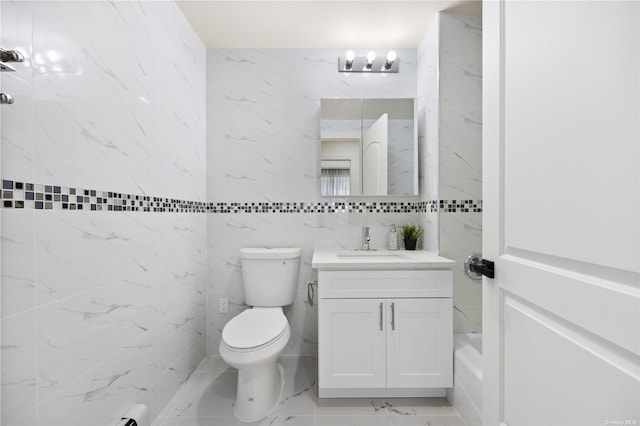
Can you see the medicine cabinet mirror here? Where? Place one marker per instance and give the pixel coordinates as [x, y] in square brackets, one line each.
[368, 147]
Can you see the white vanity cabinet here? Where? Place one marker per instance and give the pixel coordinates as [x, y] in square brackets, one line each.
[385, 332]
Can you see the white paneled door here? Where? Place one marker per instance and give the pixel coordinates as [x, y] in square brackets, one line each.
[561, 165]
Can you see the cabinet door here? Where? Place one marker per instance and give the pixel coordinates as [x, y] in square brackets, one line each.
[351, 343]
[419, 343]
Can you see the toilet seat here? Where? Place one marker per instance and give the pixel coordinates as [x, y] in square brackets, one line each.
[254, 328]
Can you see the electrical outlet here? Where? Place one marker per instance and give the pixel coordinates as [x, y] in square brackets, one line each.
[223, 307]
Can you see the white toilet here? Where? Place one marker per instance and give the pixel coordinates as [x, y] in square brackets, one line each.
[253, 340]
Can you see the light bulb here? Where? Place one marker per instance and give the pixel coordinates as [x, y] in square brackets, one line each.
[350, 56]
[370, 57]
[391, 56]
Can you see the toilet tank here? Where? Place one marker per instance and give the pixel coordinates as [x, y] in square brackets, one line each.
[269, 275]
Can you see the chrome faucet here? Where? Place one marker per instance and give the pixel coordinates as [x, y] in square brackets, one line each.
[365, 238]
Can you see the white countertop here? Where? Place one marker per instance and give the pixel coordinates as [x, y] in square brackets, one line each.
[340, 259]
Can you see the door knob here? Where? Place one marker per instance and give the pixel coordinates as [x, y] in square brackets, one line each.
[475, 267]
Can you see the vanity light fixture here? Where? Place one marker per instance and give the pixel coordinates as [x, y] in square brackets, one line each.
[369, 63]
[350, 56]
[391, 57]
[371, 56]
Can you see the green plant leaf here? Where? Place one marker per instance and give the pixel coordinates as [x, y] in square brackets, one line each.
[410, 231]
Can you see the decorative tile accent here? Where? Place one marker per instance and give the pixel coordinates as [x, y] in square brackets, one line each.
[317, 207]
[461, 206]
[23, 195]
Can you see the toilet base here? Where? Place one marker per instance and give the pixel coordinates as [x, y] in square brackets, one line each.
[259, 392]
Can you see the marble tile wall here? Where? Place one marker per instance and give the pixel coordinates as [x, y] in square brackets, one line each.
[459, 136]
[428, 126]
[263, 140]
[101, 309]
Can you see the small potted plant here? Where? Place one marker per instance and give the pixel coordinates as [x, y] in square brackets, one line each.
[410, 234]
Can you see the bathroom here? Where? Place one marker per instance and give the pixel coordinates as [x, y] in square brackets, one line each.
[173, 156]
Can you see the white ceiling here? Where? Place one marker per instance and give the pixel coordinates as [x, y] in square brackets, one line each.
[315, 23]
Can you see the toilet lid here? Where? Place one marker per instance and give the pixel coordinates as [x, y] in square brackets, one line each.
[254, 327]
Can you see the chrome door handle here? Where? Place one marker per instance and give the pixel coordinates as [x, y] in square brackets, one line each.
[475, 267]
[380, 316]
[393, 316]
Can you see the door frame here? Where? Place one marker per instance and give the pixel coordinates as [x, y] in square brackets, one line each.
[492, 186]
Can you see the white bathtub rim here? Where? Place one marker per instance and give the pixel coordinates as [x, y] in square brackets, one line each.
[459, 398]
[468, 339]
[466, 394]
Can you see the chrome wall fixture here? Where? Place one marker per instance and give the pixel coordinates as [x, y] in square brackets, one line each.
[8, 56]
[6, 99]
[369, 63]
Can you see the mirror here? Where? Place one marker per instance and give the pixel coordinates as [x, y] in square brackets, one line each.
[368, 147]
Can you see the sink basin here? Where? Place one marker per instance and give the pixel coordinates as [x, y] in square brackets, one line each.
[371, 254]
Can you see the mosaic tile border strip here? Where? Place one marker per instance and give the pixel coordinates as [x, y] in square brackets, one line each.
[318, 207]
[23, 195]
[446, 206]
[459, 206]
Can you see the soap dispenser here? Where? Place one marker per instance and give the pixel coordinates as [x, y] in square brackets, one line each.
[393, 238]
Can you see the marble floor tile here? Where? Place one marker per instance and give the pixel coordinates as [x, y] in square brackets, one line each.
[453, 420]
[208, 396]
[197, 421]
[352, 421]
[350, 407]
[284, 421]
[298, 397]
[419, 407]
